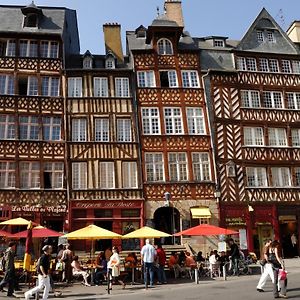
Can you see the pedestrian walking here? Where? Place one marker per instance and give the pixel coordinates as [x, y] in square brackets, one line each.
[9, 269]
[43, 268]
[148, 256]
[234, 256]
[266, 268]
[113, 267]
[161, 261]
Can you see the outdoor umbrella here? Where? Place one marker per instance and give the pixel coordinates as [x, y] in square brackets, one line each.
[4, 233]
[28, 248]
[146, 233]
[37, 232]
[206, 230]
[16, 222]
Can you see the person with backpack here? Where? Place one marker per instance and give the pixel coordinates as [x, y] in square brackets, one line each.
[43, 268]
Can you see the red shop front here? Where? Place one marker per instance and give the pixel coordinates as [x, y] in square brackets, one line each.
[118, 216]
[259, 221]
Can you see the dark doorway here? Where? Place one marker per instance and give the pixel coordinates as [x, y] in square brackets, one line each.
[102, 245]
[167, 219]
[287, 229]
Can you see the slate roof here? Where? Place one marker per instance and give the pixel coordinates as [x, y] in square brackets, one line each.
[163, 21]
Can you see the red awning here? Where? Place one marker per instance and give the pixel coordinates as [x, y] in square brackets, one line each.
[37, 233]
[5, 233]
[206, 230]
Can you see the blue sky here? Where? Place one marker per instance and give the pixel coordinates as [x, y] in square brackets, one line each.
[202, 17]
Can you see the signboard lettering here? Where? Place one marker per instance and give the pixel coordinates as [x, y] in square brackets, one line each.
[48, 209]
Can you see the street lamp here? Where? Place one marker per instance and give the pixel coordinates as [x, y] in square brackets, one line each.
[167, 199]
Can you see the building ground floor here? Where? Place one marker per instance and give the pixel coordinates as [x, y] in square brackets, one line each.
[259, 222]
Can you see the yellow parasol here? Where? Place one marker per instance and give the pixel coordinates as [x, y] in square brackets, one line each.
[146, 233]
[16, 222]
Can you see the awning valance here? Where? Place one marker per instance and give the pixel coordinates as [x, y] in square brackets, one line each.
[200, 212]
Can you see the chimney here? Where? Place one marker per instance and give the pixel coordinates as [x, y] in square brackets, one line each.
[113, 42]
[173, 9]
[294, 32]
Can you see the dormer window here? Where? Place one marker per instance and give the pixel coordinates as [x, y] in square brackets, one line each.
[31, 15]
[164, 47]
[219, 43]
[271, 37]
[110, 62]
[87, 63]
[260, 36]
[31, 20]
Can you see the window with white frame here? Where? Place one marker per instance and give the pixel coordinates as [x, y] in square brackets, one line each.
[110, 62]
[293, 100]
[178, 170]
[107, 175]
[122, 87]
[164, 47]
[295, 133]
[286, 66]
[173, 120]
[273, 99]
[195, 120]
[250, 98]
[271, 37]
[29, 175]
[150, 121]
[256, 177]
[154, 164]
[102, 130]
[146, 79]
[11, 48]
[201, 166]
[100, 87]
[49, 49]
[168, 79]
[297, 176]
[251, 64]
[253, 136]
[7, 127]
[124, 130]
[296, 66]
[129, 174]
[79, 176]
[281, 177]
[241, 63]
[75, 87]
[190, 79]
[52, 128]
[7, 175]
[50, 86]
[273, 65]
[29, 128]
[277, 137]
[219, 43]
[264, 65]
[79, 130]
[54, 175]
[7, 84]
[32, 86]
[260, 36]
[246, 64]
[28, 48]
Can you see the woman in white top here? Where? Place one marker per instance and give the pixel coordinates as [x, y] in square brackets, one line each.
[113, 267]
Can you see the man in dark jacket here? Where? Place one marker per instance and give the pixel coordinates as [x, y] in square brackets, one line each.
[9, 269]
[234, 255]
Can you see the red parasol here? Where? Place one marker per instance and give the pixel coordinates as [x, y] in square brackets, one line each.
[37, 232]
[5, 233]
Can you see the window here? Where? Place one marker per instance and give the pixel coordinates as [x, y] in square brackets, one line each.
[124, 130]
[79, 130]
[102, 130]
[79, 176]
[32, 86]
[50, 86]
[122, 87]
[241, 64]
[154, 164]
[246, 64]
[286, 66]
[250, 99]
[7, 85]
[31, 20]
[295, 132]
[173, 121]
[178, 166]
[281, 177]
[52, 128]
[253, 136]
[150, 120]
[297, 176]
[87, 63]
[256, 177]
[100, 87]
[54, 175]
[201, 166]
[29, 175]
[190, 79]
[146, 79]
[11, 48]
[7, 175]
[251, 64]
[293, 100]
[7, 127]
[264, 65]
[164, 47]
[219, 43]
[29, 128]
[277, 137]
[296, 66]
[49, 49]
[271, 37]
[28, 48]
[110, 63]
[107, 175]
[195, 119]
[168, 79]
[260, 36]
[273, 99]
[129, 174]
[75, 87]
[273, 65]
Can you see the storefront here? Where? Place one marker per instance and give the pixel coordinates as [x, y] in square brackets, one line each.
[118, 216]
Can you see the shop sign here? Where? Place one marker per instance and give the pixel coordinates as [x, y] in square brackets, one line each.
[235, 222]
[243, 239]
[37, 209]
[107, 205]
